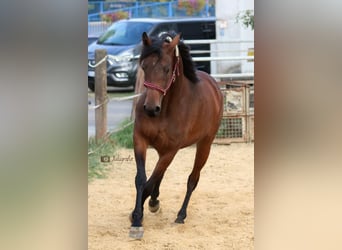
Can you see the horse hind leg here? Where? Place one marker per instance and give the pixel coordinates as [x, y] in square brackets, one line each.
[202, 153]
[152, 185]
[154, 204]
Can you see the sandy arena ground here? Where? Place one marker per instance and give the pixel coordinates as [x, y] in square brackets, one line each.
[220, 212]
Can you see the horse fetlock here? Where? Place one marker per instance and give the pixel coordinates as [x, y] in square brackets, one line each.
[180, 217]
[132, 217]
[179, 220]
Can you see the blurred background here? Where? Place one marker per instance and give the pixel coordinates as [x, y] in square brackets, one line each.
[43, 128]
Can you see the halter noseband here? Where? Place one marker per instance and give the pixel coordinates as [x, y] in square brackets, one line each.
[151, 85]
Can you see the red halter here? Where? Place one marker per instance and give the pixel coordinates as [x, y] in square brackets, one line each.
[172, 79]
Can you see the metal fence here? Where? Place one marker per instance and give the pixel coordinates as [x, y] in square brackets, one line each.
[149, 9]
[95, 29]
[237, 124]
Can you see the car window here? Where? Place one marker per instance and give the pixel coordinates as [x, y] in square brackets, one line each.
[164, 27]
[197, 30]
[124, 33]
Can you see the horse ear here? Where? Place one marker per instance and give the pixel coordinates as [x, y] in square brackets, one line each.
[175, 41]
[146, 40]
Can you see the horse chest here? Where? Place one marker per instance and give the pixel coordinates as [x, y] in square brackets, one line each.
[164, 135]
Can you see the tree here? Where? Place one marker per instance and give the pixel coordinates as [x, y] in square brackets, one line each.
[246, 18]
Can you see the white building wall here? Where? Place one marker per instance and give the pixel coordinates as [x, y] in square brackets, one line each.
[228, 29]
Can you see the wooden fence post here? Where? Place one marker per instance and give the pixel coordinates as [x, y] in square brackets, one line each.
[100, 95]
[139, 87]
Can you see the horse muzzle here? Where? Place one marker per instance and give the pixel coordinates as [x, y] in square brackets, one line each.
[152, 104]
[152, 111]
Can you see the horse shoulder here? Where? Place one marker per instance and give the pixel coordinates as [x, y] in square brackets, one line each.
[210, 87]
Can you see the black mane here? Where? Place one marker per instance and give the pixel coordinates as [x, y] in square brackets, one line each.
[189, 68]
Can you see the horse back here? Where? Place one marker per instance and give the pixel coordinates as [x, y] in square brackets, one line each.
[210, 95]
[206, 107]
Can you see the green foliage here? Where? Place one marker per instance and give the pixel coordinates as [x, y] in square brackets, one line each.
[124, 137]
[246, 18]
[191, 6]
[121, 138]
[96, 168]
[112, 17]
[91, 6]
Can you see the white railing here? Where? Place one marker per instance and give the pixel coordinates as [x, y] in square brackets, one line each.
[215, 56]
[222, 58]
[213, 59]
[213, 41]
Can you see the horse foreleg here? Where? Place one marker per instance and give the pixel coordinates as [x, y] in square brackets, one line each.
[136, 230]
[202, 153]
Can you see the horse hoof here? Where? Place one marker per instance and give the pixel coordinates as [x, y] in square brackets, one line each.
[136, 232]
[179, 221]
[155, 208]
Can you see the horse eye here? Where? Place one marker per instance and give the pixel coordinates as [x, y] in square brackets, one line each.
[166, 69]
[143, 65]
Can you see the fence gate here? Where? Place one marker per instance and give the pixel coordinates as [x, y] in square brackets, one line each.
[237, 123]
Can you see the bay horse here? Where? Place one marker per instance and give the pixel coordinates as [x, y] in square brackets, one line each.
[180, 107]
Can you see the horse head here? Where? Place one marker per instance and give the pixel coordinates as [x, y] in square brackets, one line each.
[160, 62]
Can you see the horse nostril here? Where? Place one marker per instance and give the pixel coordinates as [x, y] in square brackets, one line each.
[152, 111]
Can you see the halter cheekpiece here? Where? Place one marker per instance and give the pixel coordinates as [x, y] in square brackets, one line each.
[151, 85]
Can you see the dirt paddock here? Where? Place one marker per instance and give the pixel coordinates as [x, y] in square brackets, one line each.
[220, 212]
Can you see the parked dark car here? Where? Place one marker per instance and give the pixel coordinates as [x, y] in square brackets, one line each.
[92, 39]
[122, 41]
